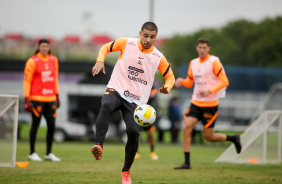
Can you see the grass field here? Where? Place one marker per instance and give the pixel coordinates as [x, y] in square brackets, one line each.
[78, 165]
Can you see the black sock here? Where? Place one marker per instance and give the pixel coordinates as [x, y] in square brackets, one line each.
[100, 143]
[152, 148]
[230, 138]
[187, 157]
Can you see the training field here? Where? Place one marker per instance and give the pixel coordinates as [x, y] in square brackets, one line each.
[78, 166]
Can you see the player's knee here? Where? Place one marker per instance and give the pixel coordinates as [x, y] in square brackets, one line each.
[208, 137]
[133, 132]
[107, 106]
[187, 128]
[133, 135]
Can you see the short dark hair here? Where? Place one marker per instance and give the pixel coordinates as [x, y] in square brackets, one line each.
[203, 40]
[150, 26]
[43, 40]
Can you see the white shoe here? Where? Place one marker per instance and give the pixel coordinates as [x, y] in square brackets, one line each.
[52, 157]
[34, 157]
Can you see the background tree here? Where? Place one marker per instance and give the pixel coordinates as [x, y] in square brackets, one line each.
[239, 43]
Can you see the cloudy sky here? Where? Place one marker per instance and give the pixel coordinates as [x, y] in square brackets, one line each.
[119, 18]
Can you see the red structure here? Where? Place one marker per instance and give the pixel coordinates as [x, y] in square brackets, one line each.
[13, 36]
[71, 39]
[100, 39]
[50, 39]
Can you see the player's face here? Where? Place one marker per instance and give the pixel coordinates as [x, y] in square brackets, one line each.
[44, 48]
[203, 49]
[147, 38]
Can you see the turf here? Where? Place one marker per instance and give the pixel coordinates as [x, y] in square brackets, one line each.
[79, 166]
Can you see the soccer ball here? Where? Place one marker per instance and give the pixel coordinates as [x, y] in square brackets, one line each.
[144, 115]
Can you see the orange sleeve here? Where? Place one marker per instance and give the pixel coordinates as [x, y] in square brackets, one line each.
[166, 71]
[28, 76]
[113, 46]
[188, 82]
[153, 92]
[220, 73]
[57, 75]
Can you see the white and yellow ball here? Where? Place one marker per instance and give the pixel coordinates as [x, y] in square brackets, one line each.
[145, 115]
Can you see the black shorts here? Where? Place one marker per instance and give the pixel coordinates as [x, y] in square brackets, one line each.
[48, 109]
[205, 114]
[116, 102]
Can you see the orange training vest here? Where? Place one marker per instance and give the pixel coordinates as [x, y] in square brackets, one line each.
[43, 82]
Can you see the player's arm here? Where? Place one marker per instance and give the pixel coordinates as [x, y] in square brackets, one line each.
[166, 71]
[57, 75]
[188, 82]
[57, 82]
[28, 76]
[220, 73]
[113, 46]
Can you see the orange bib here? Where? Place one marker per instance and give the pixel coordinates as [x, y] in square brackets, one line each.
[43, 82]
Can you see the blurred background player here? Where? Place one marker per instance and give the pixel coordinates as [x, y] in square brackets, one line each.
[210, 82]
[150, 129]
[41, 92]
[129, 86]
[174, 115]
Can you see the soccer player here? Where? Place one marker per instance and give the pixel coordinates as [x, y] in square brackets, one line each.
[174, 115]
[210, 82]
[150, 129]
[129, 86]
[41, 92]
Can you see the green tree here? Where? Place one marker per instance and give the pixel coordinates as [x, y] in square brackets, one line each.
[266, 50]
[239, 43]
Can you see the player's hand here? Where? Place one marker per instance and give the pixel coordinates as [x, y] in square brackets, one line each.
[27, 105]
[178, 82]
[98, 67]
[164, 90]
[204, 93]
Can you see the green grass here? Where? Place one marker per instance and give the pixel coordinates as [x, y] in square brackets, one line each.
[78, 165]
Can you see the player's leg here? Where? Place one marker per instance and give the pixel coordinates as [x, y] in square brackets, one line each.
[190, 120]
[189, 124]
[33, 131]
[36, 111]
[210, 136]
[132, 130]
[209, 120]
[151, 139]
[111, 101]
[137, 155]
[50, 115]
[172, 132]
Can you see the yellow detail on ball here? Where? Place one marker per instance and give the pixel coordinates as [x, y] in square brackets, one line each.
[147, 113]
